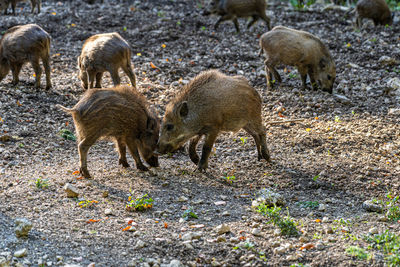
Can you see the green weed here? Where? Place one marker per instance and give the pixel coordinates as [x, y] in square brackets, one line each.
[41, 183]
[358, 252]
[286, 224]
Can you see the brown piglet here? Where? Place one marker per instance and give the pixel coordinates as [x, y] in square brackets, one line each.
[104, 52]
[212, 102]
[233, 9]
[377, 10]
[301, 49]
[21, 44]
[121, 114]
[5, 3]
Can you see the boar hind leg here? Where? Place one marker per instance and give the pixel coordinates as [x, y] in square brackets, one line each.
[266, 19]
[303, 75]
[83, 148]
[221, 19]
[46, 66]
[91, 77]
[99, 75]
[208, 144]
[122, 153]
[192, 149]
[115, 77]
[258, 133]
[129, 71]
[254, 20]
[15, 69]
[38, 71]
[132, 146]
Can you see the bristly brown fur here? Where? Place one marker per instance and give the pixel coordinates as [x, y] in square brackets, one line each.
[198, 82]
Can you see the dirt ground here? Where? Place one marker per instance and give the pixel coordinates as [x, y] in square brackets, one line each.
[345, 151]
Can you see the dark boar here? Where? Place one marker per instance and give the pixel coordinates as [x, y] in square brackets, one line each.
[120, 114]
[377, 10]
[233, 9]
[104, 52]
[301, 49]
[212, 102]
[21, 44]
[5, 3]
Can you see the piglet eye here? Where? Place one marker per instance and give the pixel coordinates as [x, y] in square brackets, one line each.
[169, 127]
[329, 77]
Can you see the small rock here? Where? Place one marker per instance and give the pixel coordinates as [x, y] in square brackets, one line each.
[343, 99]
[373, 230]
[319, 245]
[256, 232]
[322, 207]
[268, 198]
[221, 239]
[325, 220]
[394, 111]
[140, 244]
[352, 65]
[328, 230]
[385, 60]
[222, 229]
[71, 190]
[292, 257]
[183, 199]
[275, 244]
[220, 203]
[192, 235]
[176, 263]
[105, 194]
[370, 206]
[23, 226]
[21, 253]
[226, 213]
[280, 250]
[277, 232]
[303, 239]
[108, 212]
[234, 240]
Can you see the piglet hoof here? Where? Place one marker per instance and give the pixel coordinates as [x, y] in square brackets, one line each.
[85, 173]
[195, 159]
[202, 167]
[143, 168]
[124, 163]
[48, 87]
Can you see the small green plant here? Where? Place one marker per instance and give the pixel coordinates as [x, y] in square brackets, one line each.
[337, 118]
[308, 204]
[373, 39]
[203, 28]
[87, 203]
[160, 14]
[317, 236]
[358, 252]
[286, 224]
[139, 204]
[389, 243]
[301, 4]
[41, 183]
[67, 134]
[315, 178]
[390, 205]
[244, 140]
[178, 23]
[292, 75]
[189, 213]
[230, 179]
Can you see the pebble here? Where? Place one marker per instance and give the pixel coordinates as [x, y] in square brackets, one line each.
[268, 198]
[23, 226]
[140, 244]
[275, 244]
[325, 219]
[256, 232]
[280, 250]
[234, 240]
[108, 212]
[328, 230]
[319, 245]
[222, 229]
[373, 230]
[191, 235]
[182, 199]
[370, 206]
[303, 239]
[226, 213]
[175, 263]
[322, 207]
[277, 232]
[221, 239]
[21, 253]
[71, 190]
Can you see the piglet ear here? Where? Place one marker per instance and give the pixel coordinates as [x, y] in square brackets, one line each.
[183, 109]
[151, 124]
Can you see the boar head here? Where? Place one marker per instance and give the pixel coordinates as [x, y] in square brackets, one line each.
[214, 7]
[148, 142]
[174, 131]
[326, 74]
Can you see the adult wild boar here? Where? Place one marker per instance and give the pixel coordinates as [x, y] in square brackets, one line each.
[301, 49]
[233, 9]
[212, 102]
[104, 52]
[21, 44]
[121, 114]
[377, 10]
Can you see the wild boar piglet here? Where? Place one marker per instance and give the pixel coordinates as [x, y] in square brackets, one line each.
[300, 49]
[120, 114]
[212, 102]
[4, 4]
[21, 44]
[104, 52]
[377, 10]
